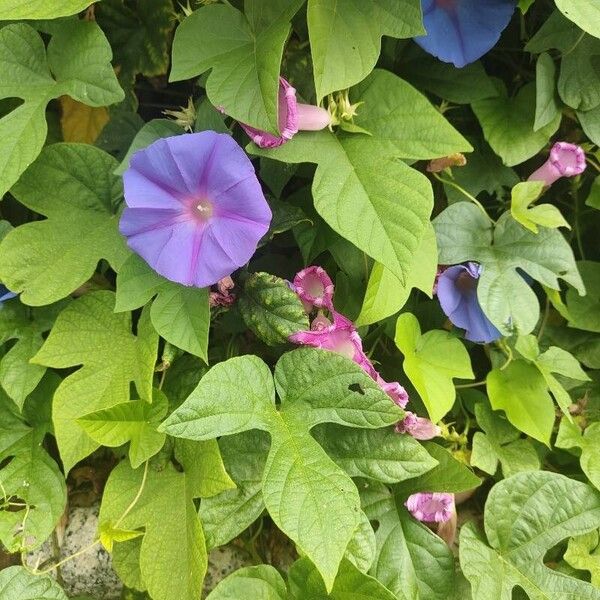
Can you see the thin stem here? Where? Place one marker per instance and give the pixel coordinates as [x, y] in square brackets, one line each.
[137, 496]
[464, 386]
[465, 193]
[68, 558]
[592, 162]
[576, 227]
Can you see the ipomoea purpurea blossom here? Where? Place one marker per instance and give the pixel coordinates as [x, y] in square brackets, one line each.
[565, 160]
[431, 507]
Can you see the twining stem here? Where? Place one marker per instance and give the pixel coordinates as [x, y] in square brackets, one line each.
[464, 386]
[137, 496]
[465, 193]
[68, 558]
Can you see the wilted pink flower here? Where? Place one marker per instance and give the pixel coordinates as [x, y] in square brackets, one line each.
[431, 507]
[223, 295]
[418, 427]
[293, 117]
[394, 390]
[314, 287]
[565, 160]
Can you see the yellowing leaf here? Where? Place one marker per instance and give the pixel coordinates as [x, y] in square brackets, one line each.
[546, 215]
[109, 534]
[80, 122]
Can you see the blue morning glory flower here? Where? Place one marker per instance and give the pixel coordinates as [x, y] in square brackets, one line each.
[457, 293]
[5, 294]
[461, 31]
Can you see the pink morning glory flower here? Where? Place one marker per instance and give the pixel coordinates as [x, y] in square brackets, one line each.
[462, 31]
[292, 116]
[418, 427]
[431, 507]
[457, 293]
[314, 287]
[565, 160]
[195, 208]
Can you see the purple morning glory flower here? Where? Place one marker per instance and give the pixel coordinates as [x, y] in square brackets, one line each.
[5, 294]
[418, 427]
[565, 160]
[461, 31]
[314, 287]
[457, 293]
[431, 507]
[195, 209]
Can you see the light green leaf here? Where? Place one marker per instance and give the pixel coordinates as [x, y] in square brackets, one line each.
[262, 582]
[378, 454]
[350, 584]
[569, 436]
[508, 125]
[362, 547]
[465, 234]
[140, 36]
[271, 309]
[109, 534]
[180, 314]
[593, 198]
[584, 14]
[40, 9]
[89, 333]
[360, 188]
[30, 477]
[77, 64]
[385, 294]
[521, 391]
[166, 511]
[584, 311]
[431, 361]
[72, 185]
[583, 552]
[547, 103]
[244, 55]
[150, 132]
[450, 475]
[522, 522]
[226, 515]
[590, 123]
[134, 421]
[301, 484]
[17, 583]
[345, 37]
[412, 562]
[500, 442]
[546, 215]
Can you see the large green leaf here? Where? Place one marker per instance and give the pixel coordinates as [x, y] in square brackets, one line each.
[360, 188]
[17, 583]
[40, 9]
[89, 333]
[547, 103]
[308, 496]
[500, 442]
[464, 233]
[226, 515]
[378, 454]
[386, 295]
[170, 560]
[271, 309]
[77, 63]
[525, 516]
[243, 52]
[579, 78]
[584, 311]
[350, 584]
[26, 325]
[179, 314]
[431, 361]
[73, 185]
[583, 553]
[411, 561]
[262, 582]
[570, 436]
[134, 421]
[585, 14]
[508, 125]
[345, 37]
[29, 477]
